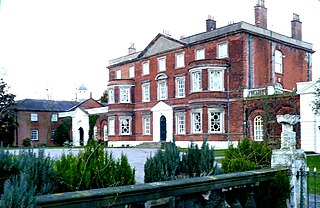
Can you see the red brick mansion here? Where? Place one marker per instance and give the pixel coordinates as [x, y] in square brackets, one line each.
[223, 84]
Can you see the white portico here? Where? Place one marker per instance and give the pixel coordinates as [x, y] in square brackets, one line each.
[162, 122]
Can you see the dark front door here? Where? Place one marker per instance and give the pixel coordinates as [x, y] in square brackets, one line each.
[81, 136]
[163, 128]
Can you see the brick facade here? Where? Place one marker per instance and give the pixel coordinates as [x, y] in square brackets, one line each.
[208, 110]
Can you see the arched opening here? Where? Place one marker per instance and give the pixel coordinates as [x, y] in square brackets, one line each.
[81, 134]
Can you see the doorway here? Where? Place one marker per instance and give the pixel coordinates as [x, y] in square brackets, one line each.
[163, 129]
[81, 134]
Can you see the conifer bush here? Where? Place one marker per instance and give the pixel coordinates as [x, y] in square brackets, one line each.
[169, 164]
[248, 155]
[93, 168]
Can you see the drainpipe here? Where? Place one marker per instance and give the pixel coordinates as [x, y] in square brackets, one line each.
[228, 88]
[309, 66]
[250, 61]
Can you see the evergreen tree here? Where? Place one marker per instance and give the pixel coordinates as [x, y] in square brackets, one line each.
[7, 115]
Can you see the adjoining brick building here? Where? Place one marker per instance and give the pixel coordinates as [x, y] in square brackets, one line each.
[208, 85]
[38, 119]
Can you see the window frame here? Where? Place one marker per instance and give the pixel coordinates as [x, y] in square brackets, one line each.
[111, 98]
[111, 126]
[122, 92]
[145, 68]
[52, 134]
[221, 120]
[105, 133]
[131, 71]
[182, 93]
[211, 85]
[145, 96]
[54, 117]
[162, 64]
[193, 124]
[200, 56]
[278, 62]
[258, 131]
[179, 130]
[118, 74]
[34, 117]
[225, 54]
[147, 125]
[181, 61]
[34, 132]
[192, 81]
[95, 133]
[121, 129]
[161, 83]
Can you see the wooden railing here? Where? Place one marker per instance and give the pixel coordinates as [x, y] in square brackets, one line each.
[168, 193]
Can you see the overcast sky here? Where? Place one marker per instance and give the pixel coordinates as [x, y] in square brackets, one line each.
[48, 48]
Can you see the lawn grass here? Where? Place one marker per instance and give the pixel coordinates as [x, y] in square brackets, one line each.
[314, 162]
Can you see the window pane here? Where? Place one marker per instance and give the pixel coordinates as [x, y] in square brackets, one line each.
[215, 122]
[111, 127]
[215, 80]
[34, 134]
[105, 133]
[180, 87]
[124, 95]
[54, 117]
[118, 74]
[200, 54]
[131, 72]
[147, 125]
[111, 96]
[278, 61]
[258, 128]
[145, 92]
[180, 60]
[196, 81]
[124, 126]
[223, 50]
[162, 90]
[196, 119]
[181, 124]
[162, 64]
[34, 117]
[145, 68]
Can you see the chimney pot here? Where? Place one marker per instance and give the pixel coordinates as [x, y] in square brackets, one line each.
[211, 23]
[131, 49]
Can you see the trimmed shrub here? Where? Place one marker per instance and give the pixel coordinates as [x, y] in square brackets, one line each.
[248, 155]
[168, 165]
[93, 168]
[27, 142]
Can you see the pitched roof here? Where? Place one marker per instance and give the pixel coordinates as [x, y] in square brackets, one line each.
[162, 43]
[44, 105]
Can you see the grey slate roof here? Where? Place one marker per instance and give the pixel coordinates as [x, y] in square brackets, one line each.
[44, 105]
[214, 34]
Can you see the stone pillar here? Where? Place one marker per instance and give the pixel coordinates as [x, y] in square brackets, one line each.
[292, 158]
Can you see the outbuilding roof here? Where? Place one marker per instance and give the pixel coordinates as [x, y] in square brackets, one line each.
[44, 105]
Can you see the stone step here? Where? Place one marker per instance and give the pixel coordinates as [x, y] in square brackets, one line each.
[151, 145]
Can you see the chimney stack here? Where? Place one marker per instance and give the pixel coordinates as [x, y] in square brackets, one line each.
[131, 49]
[260, 12]
[296, 27]
[211, 23]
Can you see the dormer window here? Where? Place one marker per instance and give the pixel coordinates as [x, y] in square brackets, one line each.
[278, 61]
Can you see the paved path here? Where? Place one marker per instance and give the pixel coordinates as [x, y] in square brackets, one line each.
[136, 156]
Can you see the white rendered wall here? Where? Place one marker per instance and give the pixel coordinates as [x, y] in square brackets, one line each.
[309, 121]
[162, 109]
